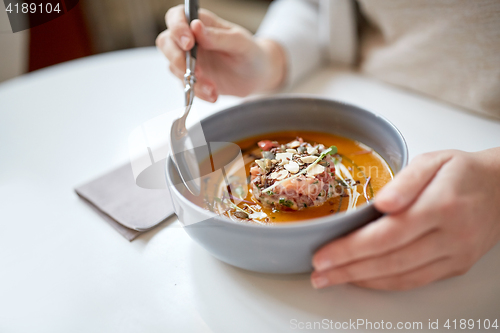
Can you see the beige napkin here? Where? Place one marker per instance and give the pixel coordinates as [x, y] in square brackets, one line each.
[128, 208]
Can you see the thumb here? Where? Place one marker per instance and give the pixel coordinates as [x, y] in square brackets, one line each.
[409, 183]
[229, 40]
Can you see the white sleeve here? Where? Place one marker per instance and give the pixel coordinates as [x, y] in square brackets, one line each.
[294, 24]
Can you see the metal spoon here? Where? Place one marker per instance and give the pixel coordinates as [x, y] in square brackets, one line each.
[181, 148]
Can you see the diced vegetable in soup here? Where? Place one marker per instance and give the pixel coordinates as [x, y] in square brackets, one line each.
[295, 176]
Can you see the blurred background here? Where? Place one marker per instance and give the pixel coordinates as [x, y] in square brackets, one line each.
[97, 26]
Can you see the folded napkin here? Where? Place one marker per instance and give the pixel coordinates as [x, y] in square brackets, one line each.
[128, 208]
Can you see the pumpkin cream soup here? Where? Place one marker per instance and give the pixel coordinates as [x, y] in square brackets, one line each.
[294, 176]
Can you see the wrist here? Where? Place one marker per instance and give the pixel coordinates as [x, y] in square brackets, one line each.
[275, 72]
[490, 161]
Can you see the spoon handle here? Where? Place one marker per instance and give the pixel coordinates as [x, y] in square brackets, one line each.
[191, 11]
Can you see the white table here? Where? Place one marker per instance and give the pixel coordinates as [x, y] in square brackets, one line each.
[63, 269]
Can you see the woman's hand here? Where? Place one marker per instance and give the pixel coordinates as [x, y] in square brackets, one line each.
[229, 61]
[443, 215]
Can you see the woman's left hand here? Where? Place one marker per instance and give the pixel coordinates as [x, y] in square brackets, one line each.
[443, 214]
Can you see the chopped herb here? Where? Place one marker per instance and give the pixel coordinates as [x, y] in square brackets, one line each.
[286, 203]
[342, 182]
[340, 204]
[333, 150]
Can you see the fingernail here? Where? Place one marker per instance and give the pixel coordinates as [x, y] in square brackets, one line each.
[323, 265]
[319, 282]
[184, 42]
[207, 90]
[203, 30]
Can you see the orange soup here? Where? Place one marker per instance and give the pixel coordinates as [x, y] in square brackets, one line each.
[340, 174]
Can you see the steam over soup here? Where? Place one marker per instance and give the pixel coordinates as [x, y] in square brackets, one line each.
[293, 176]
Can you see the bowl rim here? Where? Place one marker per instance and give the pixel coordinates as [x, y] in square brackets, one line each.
[318, 221]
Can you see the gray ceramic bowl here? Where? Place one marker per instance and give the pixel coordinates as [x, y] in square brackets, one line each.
[287, 247]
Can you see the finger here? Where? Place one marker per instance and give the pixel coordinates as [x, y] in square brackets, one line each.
[409, 183]
[211, 20]
[437, 270]
[179, 27]
[180, 72]
[422, 251]
[177, 59]
[206, 90]
[161, 39]
[219, 39]
[177, 72]
[172, 52]
[203, 88]
[382, 236]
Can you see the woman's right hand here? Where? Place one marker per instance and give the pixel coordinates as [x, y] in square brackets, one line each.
[229, 60]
